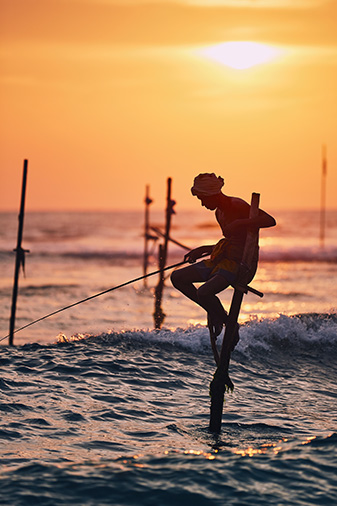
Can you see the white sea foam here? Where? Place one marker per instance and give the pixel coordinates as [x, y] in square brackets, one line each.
[301, 332]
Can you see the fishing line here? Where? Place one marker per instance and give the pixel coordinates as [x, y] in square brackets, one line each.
[96, 295]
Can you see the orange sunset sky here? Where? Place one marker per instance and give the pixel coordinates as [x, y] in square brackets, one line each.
[105, 96]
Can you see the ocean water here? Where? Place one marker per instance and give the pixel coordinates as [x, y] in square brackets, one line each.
[97, 407]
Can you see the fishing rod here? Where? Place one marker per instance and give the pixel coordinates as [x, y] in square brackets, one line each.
[97, 295]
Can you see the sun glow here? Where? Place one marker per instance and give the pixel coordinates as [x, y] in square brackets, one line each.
[240, 54]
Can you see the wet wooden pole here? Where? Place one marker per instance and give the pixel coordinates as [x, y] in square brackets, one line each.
[221, 381]
[323, 197]
[20, 254]
[148, 201]
[158, 314]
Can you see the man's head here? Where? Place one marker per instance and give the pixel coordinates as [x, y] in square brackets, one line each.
[207, 187]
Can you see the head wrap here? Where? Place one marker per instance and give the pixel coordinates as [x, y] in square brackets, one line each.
[206, 185]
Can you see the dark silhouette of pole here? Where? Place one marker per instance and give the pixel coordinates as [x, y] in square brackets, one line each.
[323, 197]
[158, 314]
[20, 254]
[147, 201]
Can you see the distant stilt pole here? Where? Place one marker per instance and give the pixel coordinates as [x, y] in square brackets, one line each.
[323, 197]
[148, 201]
[20, 254]
[158, 312]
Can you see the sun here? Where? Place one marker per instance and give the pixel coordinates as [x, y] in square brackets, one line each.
[240, 54]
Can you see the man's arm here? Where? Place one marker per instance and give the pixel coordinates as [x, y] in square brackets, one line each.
[263, 220]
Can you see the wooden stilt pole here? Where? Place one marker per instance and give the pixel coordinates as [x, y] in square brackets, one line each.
[221, 380]
[323, 197]
[20, 254]
[158, 312]
[148, 201]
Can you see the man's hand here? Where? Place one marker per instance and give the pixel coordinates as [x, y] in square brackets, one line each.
[193, 255]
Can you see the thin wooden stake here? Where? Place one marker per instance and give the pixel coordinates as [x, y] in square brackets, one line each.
[147, 201]
[158, 314]
[221, 380]
[20, 253]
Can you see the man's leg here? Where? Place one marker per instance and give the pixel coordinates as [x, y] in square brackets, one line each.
[217, 316]
[208, 300]
[183, 280]
[204, 296]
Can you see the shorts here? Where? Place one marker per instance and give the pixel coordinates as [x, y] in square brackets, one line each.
[208, 272]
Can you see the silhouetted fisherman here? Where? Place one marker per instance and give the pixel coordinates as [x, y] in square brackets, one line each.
[221, 269]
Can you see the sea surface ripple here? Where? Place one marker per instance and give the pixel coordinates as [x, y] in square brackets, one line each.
[122, 418]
